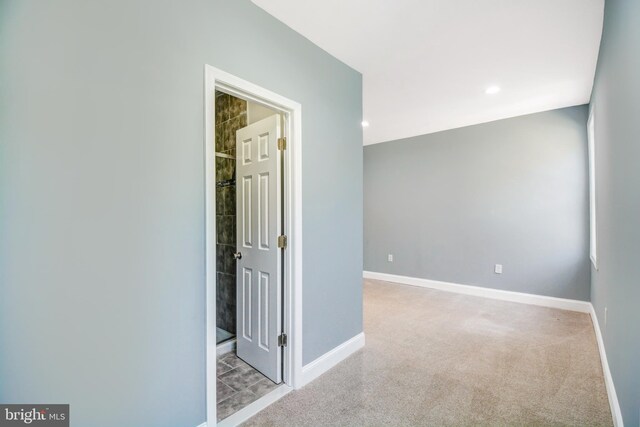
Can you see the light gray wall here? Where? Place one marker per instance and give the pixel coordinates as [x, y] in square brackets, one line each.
[451, 205]
[616, 284]
[102, 197]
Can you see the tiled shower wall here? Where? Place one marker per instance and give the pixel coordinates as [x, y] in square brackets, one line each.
[231, 115]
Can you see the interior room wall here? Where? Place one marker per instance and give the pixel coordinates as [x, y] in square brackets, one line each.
[451, 205]
[615, 284]
[102, 272]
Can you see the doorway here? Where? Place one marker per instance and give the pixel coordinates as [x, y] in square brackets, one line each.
[249, 221]
[253, 246]
[233, 115]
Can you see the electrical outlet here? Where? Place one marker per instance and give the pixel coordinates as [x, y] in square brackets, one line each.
[498, 269]
[605, 317]
[390, 258]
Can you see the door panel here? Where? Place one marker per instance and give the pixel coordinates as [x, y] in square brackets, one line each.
[246, 304]
[258, 207]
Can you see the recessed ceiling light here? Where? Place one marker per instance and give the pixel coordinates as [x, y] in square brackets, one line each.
[492, 90]
[364, 123]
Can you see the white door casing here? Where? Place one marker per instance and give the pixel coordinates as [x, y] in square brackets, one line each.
[258, 290]
[215, 78]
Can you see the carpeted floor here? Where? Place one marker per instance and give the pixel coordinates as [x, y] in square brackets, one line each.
[439, 358]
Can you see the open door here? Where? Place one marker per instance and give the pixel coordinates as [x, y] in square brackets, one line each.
[258, 258]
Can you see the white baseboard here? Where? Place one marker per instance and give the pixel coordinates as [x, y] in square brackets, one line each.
[616, 414]
[545, 301]
[226, 347]
[204, 424]
[322, 364]
[253, 408]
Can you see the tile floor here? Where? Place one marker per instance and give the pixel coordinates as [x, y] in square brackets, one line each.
[238, 385]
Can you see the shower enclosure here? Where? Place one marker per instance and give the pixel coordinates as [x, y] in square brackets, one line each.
[231, 115]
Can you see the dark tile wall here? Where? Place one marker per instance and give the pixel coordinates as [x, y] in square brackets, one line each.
[231, 115]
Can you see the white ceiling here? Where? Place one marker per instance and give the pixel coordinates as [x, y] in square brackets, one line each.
[426, 63]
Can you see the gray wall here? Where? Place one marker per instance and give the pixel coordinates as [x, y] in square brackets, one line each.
[102, 197]
[616, 285]
[451, 205]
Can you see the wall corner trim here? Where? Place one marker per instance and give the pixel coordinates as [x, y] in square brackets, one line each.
[541, 300]
[616, 414]
[545, 301]
[322, 364]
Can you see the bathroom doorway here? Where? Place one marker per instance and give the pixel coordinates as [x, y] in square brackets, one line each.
[253, 246]
[248, 257]
[232, 115]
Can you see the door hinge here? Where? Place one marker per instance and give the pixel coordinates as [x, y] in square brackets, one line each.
[282, 340]
[282, 143]
[282, 242]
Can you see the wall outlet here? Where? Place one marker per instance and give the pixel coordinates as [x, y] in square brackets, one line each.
[605, 317]
[390, 257]
[498, 269]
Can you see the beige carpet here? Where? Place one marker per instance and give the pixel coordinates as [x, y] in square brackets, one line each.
[439, 358]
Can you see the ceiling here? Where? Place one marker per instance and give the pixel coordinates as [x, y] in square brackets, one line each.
[427, 63]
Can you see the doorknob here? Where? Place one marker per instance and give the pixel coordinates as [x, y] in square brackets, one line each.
[237, 255]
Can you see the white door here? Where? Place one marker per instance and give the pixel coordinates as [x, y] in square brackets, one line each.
[258, 259]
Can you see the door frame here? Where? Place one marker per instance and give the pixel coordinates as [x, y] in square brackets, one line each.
[215, 78]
